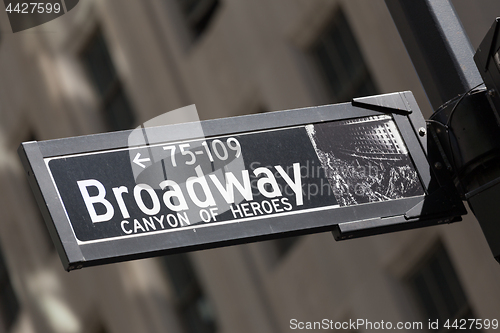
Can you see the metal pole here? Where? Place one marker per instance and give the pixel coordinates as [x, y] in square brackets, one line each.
[470, 127]
[438, 47]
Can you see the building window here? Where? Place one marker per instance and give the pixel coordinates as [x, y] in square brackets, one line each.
[194, 308]
[437, 289]
[340, 62]
[113, 101]
[198, 14]
[9, 305]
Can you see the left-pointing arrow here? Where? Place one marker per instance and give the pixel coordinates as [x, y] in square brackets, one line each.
[138, 160]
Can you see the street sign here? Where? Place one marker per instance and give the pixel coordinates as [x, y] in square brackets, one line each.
[356, 169]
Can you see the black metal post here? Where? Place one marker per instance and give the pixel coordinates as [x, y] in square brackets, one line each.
[438, 46]
[468, 127]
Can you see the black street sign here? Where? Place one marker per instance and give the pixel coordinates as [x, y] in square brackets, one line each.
[355, 169]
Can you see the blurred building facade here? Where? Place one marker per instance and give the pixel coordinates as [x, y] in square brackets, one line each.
[114, 64]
